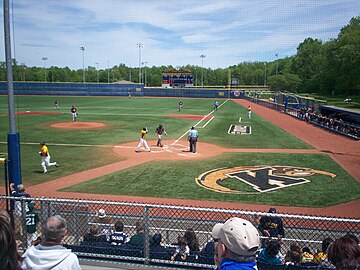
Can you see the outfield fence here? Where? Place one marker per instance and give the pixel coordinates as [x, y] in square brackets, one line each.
[168, 220]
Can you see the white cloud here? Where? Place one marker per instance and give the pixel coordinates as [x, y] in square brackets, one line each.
[173, 32]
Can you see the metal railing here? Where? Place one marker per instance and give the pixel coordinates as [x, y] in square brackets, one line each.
[169, 221]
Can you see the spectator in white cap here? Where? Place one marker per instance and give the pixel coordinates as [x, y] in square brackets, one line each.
[238, 243]
[104, 222]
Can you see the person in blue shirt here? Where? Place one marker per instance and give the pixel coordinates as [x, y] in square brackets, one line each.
[238, 243]
[192, 137]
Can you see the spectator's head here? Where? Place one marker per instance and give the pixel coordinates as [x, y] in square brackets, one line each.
[94, 229]
[344, 253]
[31, 206]
[294, 254]
[54, 230]
[156, 239]
[190, 235]
[140, 227]
[272, 248]
[9, 257]
[325, 244]
[238, 240]
[101, 213]
[4, 215]
[306, 249]
[182, 242]
[352, 236]
[272, 210]
[21, 188]
[119, 226]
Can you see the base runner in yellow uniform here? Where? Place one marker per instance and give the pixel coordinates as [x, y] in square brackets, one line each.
[45, 157]
[143, 142]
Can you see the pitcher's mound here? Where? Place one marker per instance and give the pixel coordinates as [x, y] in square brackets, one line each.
[79, 125]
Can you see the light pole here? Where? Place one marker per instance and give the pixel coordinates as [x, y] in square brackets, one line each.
[83, 53]
[140, 45]
[265, 74]
[202, 69]
[24, 72]
[145, 74]
[44, 59]
[108, 73]
[97, 69]
[277, 64]
[145, 79]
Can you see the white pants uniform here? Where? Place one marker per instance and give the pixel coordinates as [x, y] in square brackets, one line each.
[45, 162]
[142, 143]
[249, 114]
[74, 115]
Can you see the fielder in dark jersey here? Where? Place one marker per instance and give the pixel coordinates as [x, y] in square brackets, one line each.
[159, 132]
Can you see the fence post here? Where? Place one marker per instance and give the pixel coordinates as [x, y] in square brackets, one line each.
[45, 211]
[76, 233]
[23, 223]
[147, 234]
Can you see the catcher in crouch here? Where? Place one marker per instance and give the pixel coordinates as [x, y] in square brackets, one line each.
[160, 130]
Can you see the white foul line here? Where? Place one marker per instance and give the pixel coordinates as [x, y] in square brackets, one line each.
[208, 122]
[186, 133]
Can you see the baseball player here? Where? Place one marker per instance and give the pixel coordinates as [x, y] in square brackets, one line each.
[181, 104]
[249, 112]
[45, 157]
[143, 142]
[216, 105]
[159, 132]
[73, 113]
[56, 105]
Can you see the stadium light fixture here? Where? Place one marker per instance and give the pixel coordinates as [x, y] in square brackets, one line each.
[202, 69]
[82, 48]
[140, 45]
[44, 59]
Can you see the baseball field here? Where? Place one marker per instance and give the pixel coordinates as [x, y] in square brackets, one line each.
[96, 153]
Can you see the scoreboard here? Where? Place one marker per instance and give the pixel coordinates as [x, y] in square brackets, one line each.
[177, 80]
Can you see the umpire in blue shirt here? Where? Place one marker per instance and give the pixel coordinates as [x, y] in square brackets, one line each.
[193, 135]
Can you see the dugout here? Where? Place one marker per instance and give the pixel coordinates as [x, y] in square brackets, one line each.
[348, 115]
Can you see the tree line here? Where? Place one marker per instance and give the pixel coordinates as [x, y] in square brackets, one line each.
[329, 68]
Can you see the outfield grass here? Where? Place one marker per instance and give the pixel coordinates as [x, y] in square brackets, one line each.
[78, 150]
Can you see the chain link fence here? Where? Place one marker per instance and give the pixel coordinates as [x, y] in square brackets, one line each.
[167, 220]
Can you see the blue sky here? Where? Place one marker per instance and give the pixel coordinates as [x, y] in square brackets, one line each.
[173, 32]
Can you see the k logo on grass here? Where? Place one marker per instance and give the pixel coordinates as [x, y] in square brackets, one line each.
[260, 178]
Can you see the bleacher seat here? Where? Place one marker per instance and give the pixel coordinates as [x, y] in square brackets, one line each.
[265, 266]
[123, 250]
[303, 266]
